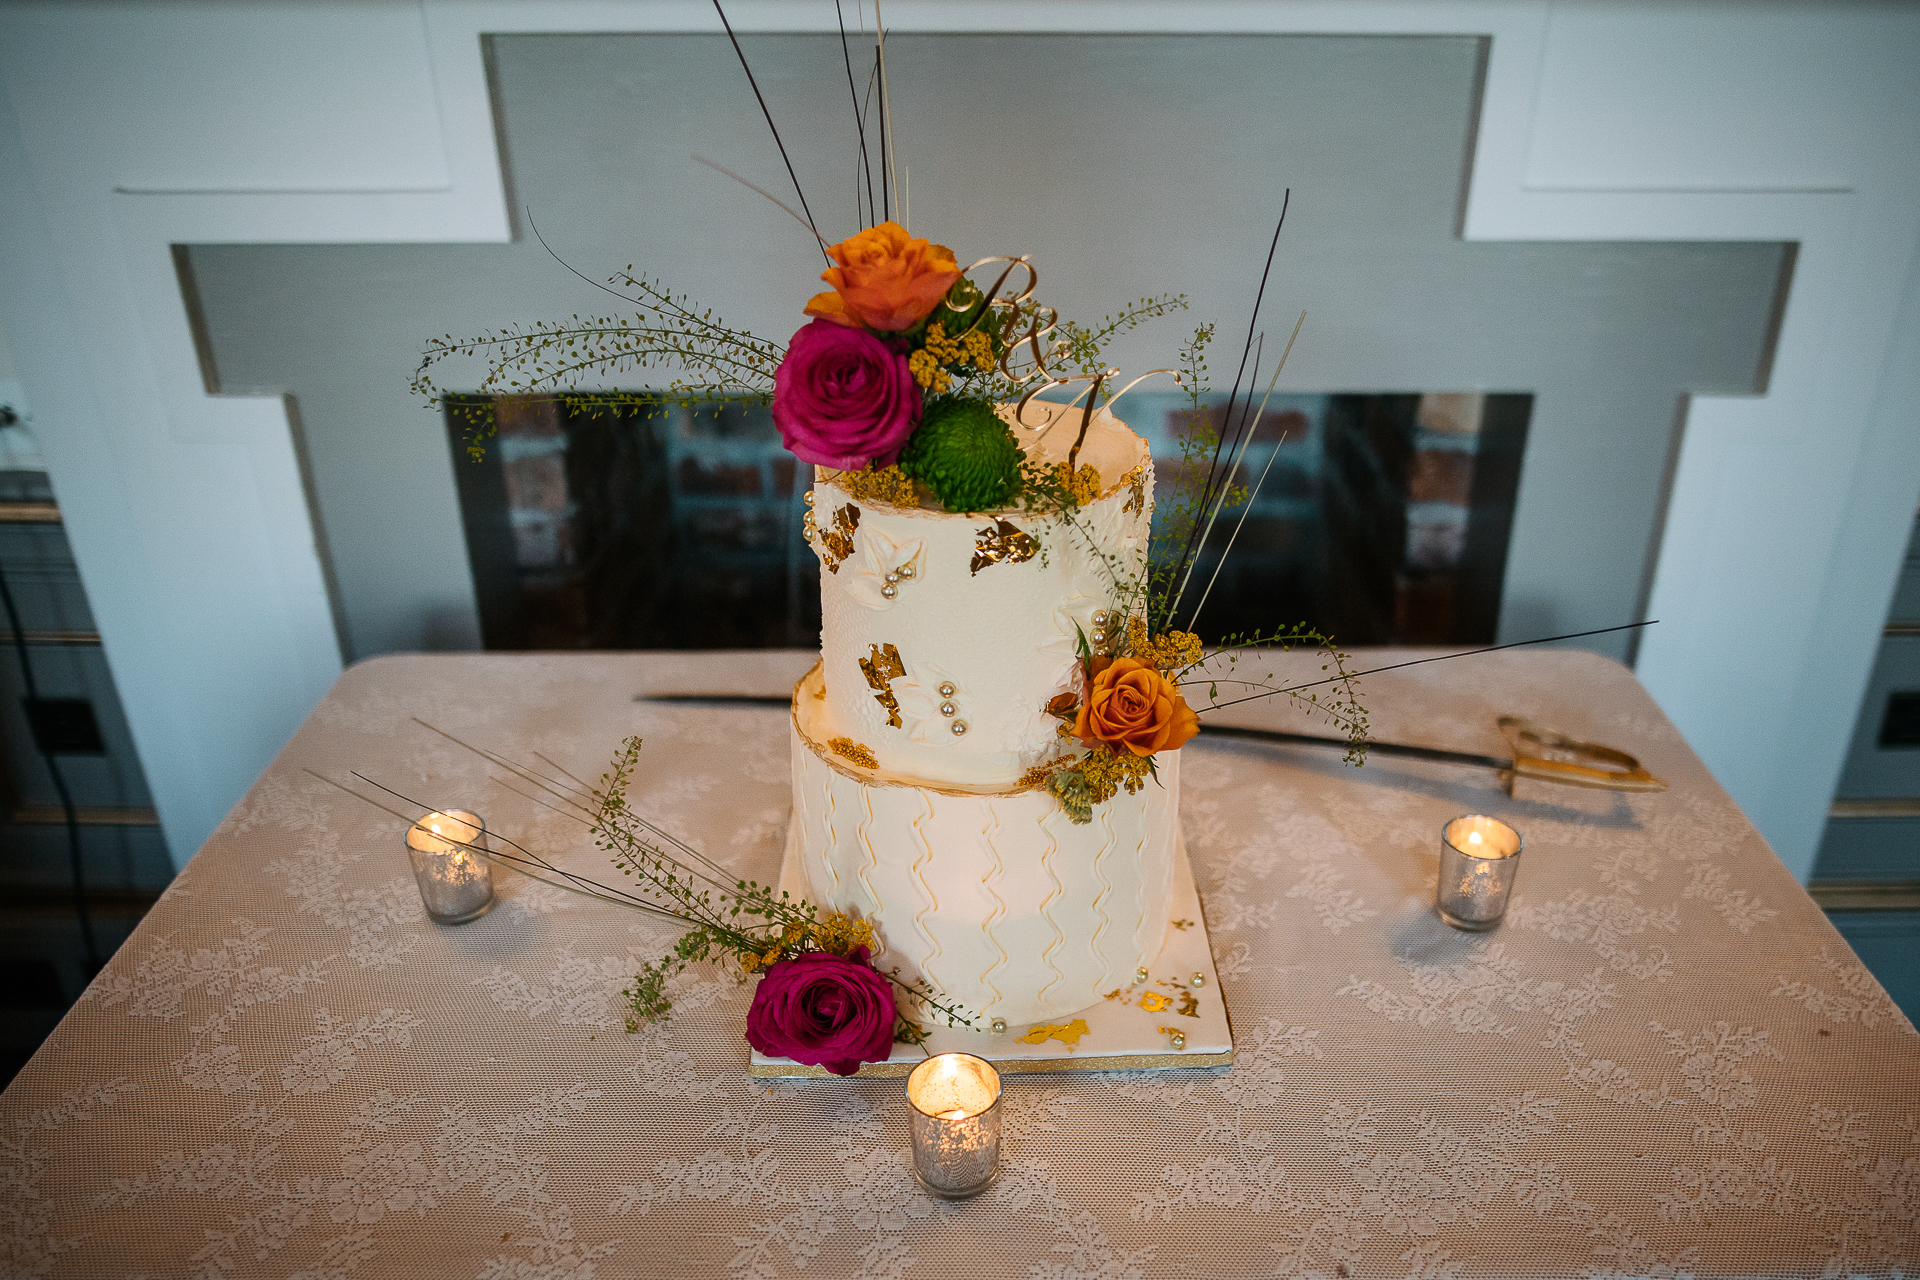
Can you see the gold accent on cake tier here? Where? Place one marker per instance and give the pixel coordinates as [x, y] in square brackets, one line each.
[807, 707]
[1002, 541]
[838, 541]
[858, 752]
[881, 670]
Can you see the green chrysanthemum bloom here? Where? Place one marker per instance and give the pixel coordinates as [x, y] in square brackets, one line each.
[965, 454]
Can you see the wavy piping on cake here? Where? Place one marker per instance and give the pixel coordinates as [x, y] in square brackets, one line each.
[1140, 913]
[932, 902]
[1046, 856]
[999, 908]
[831, 847]
[1100, 899]
[863, 835]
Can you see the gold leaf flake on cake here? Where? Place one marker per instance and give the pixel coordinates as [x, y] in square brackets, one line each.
[1137, 499]
[837, 542]
[1067, 1034]
[881, 669]
[1002, 541]
[857, 752]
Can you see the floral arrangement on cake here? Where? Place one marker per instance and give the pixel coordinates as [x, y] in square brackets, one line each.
[893, 388]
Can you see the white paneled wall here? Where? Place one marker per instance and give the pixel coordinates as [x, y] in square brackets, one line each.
[126, 128]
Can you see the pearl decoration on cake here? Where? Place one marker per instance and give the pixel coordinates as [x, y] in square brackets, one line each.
[949, 710]
[947, 689]
[893, 578]
[999, 1026]
[1199, 980]
[959, 727]
[1178, 1039]
[889, 591]
[1140, 974]
[906, 570]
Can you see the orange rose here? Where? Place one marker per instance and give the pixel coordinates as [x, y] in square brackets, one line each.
[1131, 705]
[885, 280]
[829, 306]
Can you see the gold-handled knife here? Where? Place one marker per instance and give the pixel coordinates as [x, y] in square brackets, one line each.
[1541, 753]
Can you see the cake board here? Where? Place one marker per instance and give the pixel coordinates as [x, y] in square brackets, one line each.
[1130, 1030]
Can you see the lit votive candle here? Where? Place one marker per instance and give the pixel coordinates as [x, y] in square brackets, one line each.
[1479, 858]
[456, 884]
[954, 1102]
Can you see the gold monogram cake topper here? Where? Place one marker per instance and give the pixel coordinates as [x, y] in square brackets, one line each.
[999, 541]
[839, 539]
[882, 667]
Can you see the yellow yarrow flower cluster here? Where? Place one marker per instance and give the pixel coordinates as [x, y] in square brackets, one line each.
[836, 932]
[843, 934]
[1084, 485]
[1169, 651]
[1106, 771]
[970, 348]
[883, 484]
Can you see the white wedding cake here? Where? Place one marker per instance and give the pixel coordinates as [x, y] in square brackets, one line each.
[922, 739]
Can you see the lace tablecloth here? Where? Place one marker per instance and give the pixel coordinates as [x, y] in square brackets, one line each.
[1666, 1063]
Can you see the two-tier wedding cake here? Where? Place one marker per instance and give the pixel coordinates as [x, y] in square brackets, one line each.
[922, 742]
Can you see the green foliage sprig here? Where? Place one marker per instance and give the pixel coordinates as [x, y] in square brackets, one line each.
[1340, 706]
[1179, 516]
[726, 918]
[1084, 348]
[732, 919]
[559, 359]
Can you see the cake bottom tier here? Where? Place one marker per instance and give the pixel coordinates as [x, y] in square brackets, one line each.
[997, 901]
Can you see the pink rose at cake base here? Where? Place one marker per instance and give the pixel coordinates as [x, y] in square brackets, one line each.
[823, 1010]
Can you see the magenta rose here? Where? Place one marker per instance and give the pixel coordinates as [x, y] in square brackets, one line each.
[821, 1010]
[843, 398]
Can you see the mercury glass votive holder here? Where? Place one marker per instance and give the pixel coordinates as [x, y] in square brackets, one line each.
[1479, 858]
[456, 882]
[954, 1102]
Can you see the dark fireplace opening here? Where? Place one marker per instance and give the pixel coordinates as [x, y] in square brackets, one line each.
[1382, 519]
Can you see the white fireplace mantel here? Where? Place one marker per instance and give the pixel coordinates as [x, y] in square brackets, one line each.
[132, 127]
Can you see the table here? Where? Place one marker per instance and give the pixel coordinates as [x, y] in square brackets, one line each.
[1665, 1064]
